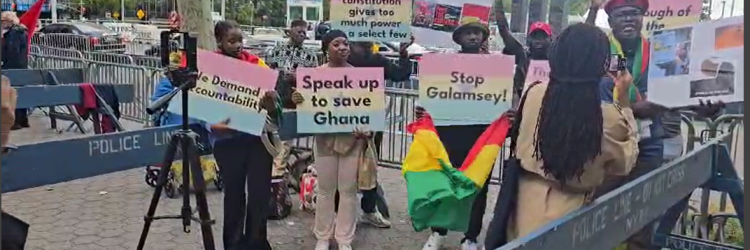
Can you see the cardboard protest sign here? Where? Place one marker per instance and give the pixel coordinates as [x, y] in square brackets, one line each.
[338, 100]
[372, 20]
[228, 88]
[538, 71]
[699, 62]
[434, 21]
[667, 14]
[460, 88]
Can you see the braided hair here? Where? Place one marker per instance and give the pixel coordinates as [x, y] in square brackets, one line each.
[569, 129]
[223, 27]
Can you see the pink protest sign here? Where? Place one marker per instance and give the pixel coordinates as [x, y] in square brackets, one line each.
[228, 88]
[236, 71]
[538, 71]
[338, 100]
[667, 14]
[461, 88]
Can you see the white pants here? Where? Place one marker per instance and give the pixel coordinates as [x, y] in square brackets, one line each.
[336, 173]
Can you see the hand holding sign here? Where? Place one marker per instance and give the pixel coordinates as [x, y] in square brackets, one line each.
[297, 98]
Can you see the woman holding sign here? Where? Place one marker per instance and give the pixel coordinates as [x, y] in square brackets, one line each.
[244, 162]
[336, 159]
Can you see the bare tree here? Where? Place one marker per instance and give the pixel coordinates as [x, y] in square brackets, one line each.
[196, 17]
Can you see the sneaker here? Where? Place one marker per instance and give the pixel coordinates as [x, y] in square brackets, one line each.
[345, 247]
[323, 245]
[376, 219]
[435, 242]
[469, 245]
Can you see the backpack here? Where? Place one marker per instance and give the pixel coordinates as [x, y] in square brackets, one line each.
[280, 204]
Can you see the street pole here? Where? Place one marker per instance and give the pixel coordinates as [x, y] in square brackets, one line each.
[224, 9]
[723, 8]
[731, 9]
[53, 8]
[196, 17]
[122, 10]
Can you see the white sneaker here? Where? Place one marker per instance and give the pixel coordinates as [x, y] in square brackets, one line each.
[469, 245]
[323, 245]
[376, 219]
[345, 247]
[435, 242]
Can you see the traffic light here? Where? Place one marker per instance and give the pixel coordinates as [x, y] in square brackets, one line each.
[13, 7]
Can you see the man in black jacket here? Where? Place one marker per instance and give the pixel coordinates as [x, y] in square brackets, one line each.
[15, 49]
[362, 55]
[538, 41]
[458, 140]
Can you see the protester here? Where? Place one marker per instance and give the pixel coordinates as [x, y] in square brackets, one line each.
[15, 47]
[244, 162]
[567, 151]
[336, 160]
[458, 140]
[9, 97]
[362, 55]
[287, 57]
[626, 39]
[538, 42]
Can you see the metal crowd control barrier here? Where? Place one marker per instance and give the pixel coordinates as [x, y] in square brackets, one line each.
[612, 218]
[83, 157]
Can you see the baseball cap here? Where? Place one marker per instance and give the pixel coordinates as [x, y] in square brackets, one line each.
[540, 26]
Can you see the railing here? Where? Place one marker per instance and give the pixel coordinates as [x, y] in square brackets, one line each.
[703, 222]
[663, 195]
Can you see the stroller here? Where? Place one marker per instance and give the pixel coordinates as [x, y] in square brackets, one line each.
[211, 171]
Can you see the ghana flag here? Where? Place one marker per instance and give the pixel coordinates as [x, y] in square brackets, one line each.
[440, 195]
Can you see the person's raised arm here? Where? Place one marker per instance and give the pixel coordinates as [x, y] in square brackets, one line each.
[512, 45]
[593, 11]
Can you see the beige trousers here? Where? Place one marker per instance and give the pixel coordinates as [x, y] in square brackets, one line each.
[336, 173]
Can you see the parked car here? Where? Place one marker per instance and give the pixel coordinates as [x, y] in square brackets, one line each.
[80, 36]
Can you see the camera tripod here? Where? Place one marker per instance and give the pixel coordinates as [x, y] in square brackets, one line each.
[186, 141]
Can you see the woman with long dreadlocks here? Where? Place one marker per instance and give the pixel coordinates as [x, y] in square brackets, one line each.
[569, 142]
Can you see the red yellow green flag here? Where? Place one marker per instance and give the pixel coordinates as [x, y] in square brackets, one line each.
[440, 195]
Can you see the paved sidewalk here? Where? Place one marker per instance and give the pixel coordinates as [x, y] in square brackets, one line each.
[106, 213]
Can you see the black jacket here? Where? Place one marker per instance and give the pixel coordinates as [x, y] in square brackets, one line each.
[397, 72]
[15, 48]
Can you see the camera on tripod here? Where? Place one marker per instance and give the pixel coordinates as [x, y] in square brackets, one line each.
[178, 54]
[179, 57]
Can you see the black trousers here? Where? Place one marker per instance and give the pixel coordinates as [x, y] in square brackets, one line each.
[370, 197]
[245, 164]
[22, 118]
[458, 141]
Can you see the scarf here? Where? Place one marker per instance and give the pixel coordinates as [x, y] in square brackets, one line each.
[640, 64]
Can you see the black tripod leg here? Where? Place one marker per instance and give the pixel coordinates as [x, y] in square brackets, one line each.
[161, 181]
[199, 184]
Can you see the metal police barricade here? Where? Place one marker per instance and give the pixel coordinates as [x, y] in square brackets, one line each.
[138, 76]
[56, 58]
[612, 218]
[83, 157]
[701, 222]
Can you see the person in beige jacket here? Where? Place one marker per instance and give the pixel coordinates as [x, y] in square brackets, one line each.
[569, 142]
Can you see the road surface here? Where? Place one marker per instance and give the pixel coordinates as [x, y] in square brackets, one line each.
[106, 212]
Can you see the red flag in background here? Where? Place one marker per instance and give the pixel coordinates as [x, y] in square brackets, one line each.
[31, 18]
